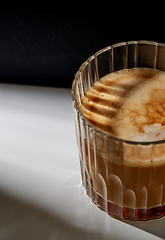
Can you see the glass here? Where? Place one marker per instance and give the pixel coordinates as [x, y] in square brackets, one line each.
[126, 179]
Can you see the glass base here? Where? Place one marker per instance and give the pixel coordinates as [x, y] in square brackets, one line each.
[122, 213]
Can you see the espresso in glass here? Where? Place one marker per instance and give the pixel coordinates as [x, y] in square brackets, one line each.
[120, 126]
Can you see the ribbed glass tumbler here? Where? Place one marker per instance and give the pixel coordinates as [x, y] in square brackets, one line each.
[126, 179]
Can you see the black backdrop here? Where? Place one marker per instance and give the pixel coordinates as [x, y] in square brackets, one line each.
[45, 44]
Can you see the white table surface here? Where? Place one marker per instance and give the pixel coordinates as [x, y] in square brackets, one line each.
[41, 196]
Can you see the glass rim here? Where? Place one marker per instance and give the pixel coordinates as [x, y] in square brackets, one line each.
[76, 105]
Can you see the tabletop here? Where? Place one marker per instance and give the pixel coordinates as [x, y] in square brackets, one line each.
[41, 195]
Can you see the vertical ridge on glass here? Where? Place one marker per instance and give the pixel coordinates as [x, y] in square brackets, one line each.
[95, 166]
[93, 70]
[96, 65]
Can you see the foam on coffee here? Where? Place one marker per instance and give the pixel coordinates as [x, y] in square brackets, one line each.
[128, 104]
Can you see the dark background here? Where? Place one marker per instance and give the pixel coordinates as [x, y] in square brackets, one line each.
[44, 44]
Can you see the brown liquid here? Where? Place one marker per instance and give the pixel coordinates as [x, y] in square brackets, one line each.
[133, 187]
[122, 212]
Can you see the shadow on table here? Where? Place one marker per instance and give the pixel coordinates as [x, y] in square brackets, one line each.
[19, 220]
[155, 227]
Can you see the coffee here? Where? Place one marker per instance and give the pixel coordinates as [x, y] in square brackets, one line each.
[128, 181]
[128, 104]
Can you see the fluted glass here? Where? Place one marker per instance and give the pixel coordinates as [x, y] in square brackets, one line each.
[126, 179]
